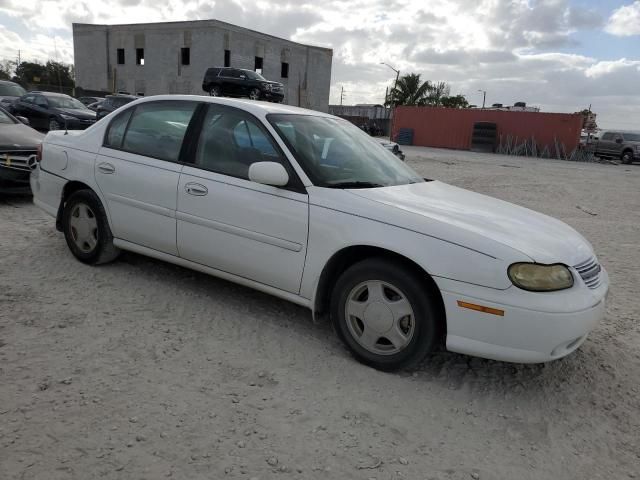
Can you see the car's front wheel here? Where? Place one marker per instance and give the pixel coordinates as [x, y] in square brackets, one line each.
[86, 229]
[386, 314]
[254, 94]
[214, 91]
[54, 125]
[627, 157]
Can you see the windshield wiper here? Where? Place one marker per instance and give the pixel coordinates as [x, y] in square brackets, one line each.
[352, 184]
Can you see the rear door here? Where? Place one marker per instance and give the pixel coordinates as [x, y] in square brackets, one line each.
[605, 144]
[138, 169]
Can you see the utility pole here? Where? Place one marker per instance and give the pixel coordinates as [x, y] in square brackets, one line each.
[395, 85]
[484, 97]
[19, 59]
[341, 94]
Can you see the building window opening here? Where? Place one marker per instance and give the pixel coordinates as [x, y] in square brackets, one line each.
[258, 65]
[185, 56]
[227, 58]
[121, 56]
[139, 56]
[284, 70]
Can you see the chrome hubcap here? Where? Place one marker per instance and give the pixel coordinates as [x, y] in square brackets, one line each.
[254, 95]
[379, 317]
[84, 227]
[214, 92]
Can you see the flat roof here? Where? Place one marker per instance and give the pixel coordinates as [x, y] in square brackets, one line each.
[197, 24]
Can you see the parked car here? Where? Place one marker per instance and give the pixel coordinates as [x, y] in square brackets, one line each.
[236, 82]
[9, 93]
[94, 106]
[89, 100]
[620, 144]
[53, 111]
[18, 145]
[111, 103]
[393, 147]
[307, 207]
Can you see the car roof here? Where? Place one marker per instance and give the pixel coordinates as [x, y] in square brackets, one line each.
[252, 106]
[121, 95]
[50, 94]
[9, 81]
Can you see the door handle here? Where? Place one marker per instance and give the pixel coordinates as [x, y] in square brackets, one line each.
[106, 168]
[196, 189]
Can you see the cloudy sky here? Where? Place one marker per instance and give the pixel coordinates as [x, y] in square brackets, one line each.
[561, 55]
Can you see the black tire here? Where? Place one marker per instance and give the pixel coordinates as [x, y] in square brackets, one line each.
[425, 303]
[104, 251]
[214, 91]
[627, 157]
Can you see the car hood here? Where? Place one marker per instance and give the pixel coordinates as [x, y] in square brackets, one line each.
[18, 137]
[81, 113]
[542, 238]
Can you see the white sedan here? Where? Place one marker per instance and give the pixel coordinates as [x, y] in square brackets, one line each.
[307, 207]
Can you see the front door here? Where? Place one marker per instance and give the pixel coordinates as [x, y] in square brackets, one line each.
[138, 170]
[229, 223]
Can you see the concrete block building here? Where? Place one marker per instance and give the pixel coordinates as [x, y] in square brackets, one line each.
[172, 57]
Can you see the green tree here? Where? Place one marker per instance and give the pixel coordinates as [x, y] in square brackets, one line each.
[456, 101]
[6, 69]
[31, 72]
[409, 90]
[437, 92]
[52, 73]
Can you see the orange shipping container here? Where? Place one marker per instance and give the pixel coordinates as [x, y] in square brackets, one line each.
[453, 128]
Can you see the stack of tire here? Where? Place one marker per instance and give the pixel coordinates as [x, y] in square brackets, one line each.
[405, 136]
[484, 137]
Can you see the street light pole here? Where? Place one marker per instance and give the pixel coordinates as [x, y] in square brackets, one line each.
[395, 85]
[484, 96]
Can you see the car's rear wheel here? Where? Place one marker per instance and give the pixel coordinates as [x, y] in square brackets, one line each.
[214, 91]
[254, 94]
[627, 157]
[386, 314]
[86, 229]
[54, 125]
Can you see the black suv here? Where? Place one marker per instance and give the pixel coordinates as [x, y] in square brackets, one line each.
[236, 82]
[53, 111]
[112, 103]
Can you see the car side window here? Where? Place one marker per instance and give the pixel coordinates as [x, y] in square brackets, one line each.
[117, 127]
[157, 129]
[607, 136]
[41, 101]
[28, 98]
[231, 140]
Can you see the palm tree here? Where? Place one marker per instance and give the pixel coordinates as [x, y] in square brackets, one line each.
[409, 90]
[437, 93]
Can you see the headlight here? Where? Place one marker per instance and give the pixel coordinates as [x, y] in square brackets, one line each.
[267, 86]
[540, 278]
[67, 117]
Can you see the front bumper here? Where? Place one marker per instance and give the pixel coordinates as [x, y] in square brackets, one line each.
[15, 181]
[273, 96]
[551, 327]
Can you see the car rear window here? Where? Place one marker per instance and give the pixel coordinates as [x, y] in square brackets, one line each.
[157, 129]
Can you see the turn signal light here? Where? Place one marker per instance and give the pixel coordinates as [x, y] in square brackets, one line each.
[39, 153]
[481, 308]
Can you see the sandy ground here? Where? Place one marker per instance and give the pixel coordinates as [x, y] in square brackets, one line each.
[143, 370]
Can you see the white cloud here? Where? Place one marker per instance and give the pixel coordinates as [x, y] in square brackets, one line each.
[511, 48]
[625, 21]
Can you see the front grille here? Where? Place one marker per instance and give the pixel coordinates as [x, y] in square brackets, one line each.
[18, 159]
[590, 272]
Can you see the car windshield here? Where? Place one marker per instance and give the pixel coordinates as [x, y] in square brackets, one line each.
[11, 90]
[65, 102]
[632, 137]
[5, 119]
[335, 153]
[253, 75]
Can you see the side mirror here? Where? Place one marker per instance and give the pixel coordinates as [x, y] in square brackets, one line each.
[24, 120]
[618, 140]
[268, 173]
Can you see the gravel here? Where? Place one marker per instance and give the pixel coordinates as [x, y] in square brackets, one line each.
[186, 364]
